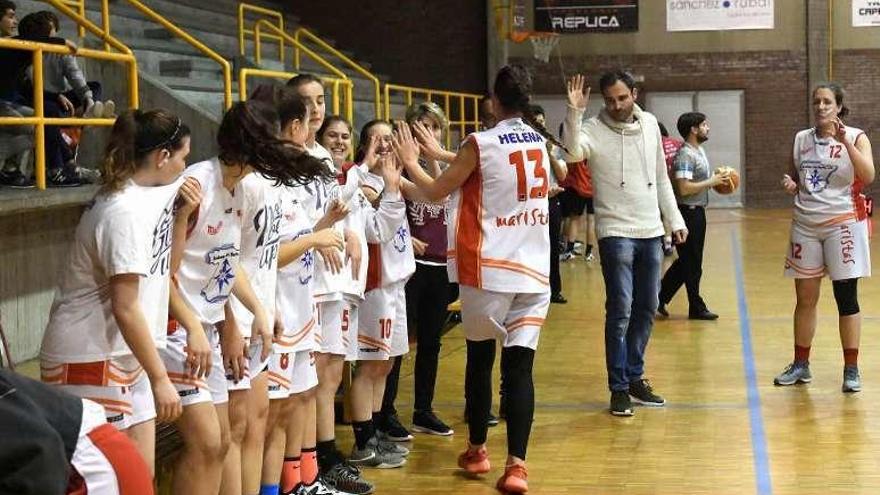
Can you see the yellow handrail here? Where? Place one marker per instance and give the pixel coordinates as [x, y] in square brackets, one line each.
[242, 30]
[39, 120]
[198, 45]
[334, 82]
[80, 6]
[351, 63]
[462, 122]
[258, 34]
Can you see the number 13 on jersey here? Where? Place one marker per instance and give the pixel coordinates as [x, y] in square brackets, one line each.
[518, 159]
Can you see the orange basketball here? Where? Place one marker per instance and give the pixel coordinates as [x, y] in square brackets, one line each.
[731, 184]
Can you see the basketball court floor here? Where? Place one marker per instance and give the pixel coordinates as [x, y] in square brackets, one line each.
[725, 430]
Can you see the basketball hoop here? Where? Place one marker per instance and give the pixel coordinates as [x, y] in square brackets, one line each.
[543, 45]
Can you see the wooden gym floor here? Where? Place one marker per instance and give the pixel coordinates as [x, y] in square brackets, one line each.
[725, 430]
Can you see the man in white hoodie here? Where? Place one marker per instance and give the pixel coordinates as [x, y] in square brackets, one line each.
[630, 192]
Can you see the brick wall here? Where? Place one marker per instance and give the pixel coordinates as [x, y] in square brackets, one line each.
[857, 71]
[775, 99]
[429, 44]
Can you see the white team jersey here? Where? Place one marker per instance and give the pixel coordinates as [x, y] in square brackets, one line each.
[260, 224]
[293, 292]
[391, 256]
[125, 232]
[327, 286]
[828, 189]
[497, 228]
[364, 222]
[211, 255]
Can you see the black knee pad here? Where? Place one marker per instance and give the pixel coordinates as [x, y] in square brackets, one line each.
[846, 295]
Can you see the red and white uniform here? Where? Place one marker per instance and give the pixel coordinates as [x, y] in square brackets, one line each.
[499, 236]
[205, 278]
[829, 231]
[260, 225]
[291, 366]
[382, 326]
[83, 351]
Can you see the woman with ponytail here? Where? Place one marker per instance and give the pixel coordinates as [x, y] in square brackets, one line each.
[111, 308]
[499, 244]
[208, 239]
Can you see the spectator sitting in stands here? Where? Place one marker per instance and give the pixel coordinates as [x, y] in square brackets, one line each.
[61, 170]
[8, 21]
[62, 76]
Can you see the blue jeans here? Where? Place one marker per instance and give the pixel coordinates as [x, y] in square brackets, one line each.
[631, 268]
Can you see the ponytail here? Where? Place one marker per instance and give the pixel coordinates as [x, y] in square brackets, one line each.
[249, 135]
[134, 136]
[513, 88]
[529, 117]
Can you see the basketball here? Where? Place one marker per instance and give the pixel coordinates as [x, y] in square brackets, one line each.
[732, 184]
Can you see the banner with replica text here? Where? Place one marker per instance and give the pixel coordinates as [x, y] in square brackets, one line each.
[865, 13]
[718, 15]
[587, 16]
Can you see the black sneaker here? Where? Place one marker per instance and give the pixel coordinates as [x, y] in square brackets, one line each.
[428, 422]
[391, 429]
[620, 404]
[703, 314]
[642, 393]
[661, 310]
[15, 179]
[63, 178]
[347, 478]
[558, 298]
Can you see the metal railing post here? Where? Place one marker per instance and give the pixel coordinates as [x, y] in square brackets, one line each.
[40, 127]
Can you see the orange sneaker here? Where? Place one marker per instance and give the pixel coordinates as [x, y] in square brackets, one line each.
[475, 461]
[514, 480]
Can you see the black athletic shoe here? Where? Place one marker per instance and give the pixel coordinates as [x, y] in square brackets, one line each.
[621, 405]
[493, 420]
[558, 298]
[703, 314]
[63, 177]
[15, 179]
[428, 422]
[642, 393]
[391, 429]
[661, 310]
[347, 478]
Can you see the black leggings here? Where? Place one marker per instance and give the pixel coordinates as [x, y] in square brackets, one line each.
[519, 390]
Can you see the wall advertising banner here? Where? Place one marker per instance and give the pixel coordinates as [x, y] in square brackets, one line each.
[865, 13]
[587, 16]
[717, 15]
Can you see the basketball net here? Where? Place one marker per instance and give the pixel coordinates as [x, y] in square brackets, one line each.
[543, 45]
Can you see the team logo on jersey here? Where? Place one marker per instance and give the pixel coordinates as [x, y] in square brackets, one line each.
[215, 229]
[267, 223]
[401, 238]
[418, 212]
[816, 175]
[162, 242]
[307, 263]
[220, 283]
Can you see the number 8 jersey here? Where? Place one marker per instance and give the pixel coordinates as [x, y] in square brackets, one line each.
[828, 189]
[497, 222]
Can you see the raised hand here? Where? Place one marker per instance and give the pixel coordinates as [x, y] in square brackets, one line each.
[188, 197]
[429, 146]
[578, 95]
[405, 146]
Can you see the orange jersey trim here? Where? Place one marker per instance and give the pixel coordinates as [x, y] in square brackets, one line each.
[515, 267]
[469, 228]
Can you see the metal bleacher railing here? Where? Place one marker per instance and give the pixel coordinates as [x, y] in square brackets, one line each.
[122, 54]
[460, 118]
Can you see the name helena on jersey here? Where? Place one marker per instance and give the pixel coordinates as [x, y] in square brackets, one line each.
[524, 219]
[520, 138]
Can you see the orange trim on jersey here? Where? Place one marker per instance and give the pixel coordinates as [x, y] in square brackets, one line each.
[113, 405]
[279, 379]
[374, 267]
[524, 322]
[515, 267]
[469, 228]
[86, 373]
[373, 342]
[297, 337]
[846, 217]
[804, 271]
[132, 474]
[184, 379]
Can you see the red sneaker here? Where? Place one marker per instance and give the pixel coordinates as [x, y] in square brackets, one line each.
[514, 480]
[475, 461]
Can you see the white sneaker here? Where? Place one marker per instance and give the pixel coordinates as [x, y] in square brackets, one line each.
[94, 111]
[109, 110]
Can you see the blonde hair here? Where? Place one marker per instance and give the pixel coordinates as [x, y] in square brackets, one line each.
[429, 109]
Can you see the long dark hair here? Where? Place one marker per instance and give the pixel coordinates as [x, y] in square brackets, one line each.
[135, 134]
[250, 135]
[513, 88]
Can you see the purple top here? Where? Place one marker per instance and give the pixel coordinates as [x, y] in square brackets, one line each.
[427, 221]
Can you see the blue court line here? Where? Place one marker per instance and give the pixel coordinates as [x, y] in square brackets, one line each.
[756, 421]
